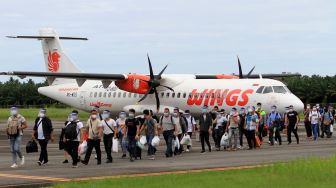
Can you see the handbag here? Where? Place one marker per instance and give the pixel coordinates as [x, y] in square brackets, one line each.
[31, 147]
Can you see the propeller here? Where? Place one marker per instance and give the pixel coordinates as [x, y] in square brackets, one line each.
[241, 76]
[153, 83]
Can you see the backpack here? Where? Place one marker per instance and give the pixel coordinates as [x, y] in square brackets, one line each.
[171, 119]
[70, 131]
[13, 125]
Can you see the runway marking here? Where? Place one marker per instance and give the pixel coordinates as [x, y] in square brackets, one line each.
[168, 172]
[34, 177]
[53, 179]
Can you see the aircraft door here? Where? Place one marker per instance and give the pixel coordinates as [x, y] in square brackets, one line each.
[82, 98]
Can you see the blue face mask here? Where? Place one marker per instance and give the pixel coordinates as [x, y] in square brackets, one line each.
[204, 111]
[131, 115]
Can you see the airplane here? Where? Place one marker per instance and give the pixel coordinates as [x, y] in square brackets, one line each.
[117, 92]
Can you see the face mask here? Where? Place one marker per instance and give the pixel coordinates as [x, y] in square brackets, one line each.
[131, 115]
[232, 113]
[187, 115]
[241, 112]
[273, 109]
[204, 111]
[166, 114]
[94, 116]
[308, 107]
[314, 109]
[41, 115]
[250, 110]
[13, 112]
[122, 116]
[175, 114]
[105, 116]
[290, 110]
[259, 107]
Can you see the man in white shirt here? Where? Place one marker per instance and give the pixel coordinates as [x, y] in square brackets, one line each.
[315, 117]
[110, 132]
[191, 126]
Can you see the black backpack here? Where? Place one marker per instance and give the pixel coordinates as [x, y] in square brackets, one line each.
[70, 131]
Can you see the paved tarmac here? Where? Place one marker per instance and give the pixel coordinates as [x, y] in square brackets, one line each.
[31, 174]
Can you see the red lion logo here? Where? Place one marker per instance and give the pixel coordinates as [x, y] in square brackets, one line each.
[53, 61]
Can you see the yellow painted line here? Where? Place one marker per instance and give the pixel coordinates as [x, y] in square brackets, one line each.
[34, 177]
[168, 172]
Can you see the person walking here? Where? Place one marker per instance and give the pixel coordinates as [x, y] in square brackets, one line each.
[110, 132]
[150, 127]
[205, 122]
[43, 132]
[292, 122]
[315, 117]
[16, 123]
[274, 125]
[307, 122]
[168, 126]
[191, 126]
[131, 132]
[232, 128]
[95, 131]
[251, 124]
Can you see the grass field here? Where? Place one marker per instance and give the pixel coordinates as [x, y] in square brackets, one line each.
[54, 113]
[313, 172]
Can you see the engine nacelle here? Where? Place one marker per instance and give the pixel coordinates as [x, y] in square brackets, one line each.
[225, 76]
[134, 83]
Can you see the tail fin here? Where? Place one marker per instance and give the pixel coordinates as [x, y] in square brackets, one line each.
[54, 56]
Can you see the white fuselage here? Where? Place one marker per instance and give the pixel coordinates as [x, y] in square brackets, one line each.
[189, 93]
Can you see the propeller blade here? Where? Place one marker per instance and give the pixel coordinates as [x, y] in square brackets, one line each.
[145, 96]
[171, 89]
[240, 69]
[157, 100]
[249, 74]
[151, 74]
[162, 71]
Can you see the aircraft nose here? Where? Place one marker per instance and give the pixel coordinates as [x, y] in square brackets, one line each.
[298, 105]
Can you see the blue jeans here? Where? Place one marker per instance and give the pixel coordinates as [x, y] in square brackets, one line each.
[168, 136]
[151, 149]
[15, 143]
[131, 146]
[315, 128]
[124, 143]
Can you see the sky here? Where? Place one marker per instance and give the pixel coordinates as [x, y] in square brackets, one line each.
[191, 36]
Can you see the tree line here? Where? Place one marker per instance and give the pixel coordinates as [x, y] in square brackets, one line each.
[310, 89]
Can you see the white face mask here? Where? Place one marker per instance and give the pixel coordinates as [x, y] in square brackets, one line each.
[13, 112]
[273, 109]
[314, 109]
[131, 115]
[166, 114]
[290, 110]
[41, 115]
[105, 116]
[250, 110]
[122, 116]
[232, 113]
[175, 114]
[94, 116]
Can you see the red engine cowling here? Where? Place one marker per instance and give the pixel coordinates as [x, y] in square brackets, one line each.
[225, 76]
[134, 83]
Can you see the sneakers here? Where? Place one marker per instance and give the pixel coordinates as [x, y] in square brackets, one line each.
[123, 156]
[240, 147]
[22, 161]
[202, 152]
[74, 166]
[187, 150]
[39, 163]
[132, 159]
[84, 162]
[14, 166]
[152, 157]
[65, 161]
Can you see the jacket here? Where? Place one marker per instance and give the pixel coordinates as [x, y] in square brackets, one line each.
[46, 126]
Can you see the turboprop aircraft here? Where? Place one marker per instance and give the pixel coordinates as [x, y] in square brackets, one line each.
[117, 92]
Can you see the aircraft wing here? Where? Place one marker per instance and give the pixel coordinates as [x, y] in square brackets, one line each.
[80, 77]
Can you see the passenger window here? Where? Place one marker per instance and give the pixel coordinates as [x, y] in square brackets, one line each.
[260, 89]
[129, 95]
[173, 95]
[268, 89]
[167, 95]
[109, 95]
[162, 94]
[279, 89]
[104, 96]
[114, 94]
[91, 94]
[100, 94]
[178, 95]
[124, 95]
[135, 95]
[184, 95]
[119, 94]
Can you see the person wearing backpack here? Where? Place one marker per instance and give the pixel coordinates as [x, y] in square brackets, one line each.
[110, 132]
[167, 125]
[15, 125]
[191, 126]
[43, 132]
[262, 132]
[131, 132]
[95, 131]
[274, 125]
[292, 122]
[250, 125]
[72, 135]
[150, 127]
[327, 118]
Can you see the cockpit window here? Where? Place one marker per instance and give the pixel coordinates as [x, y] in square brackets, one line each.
[260, 89]
[279, 89]
[268, 89]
